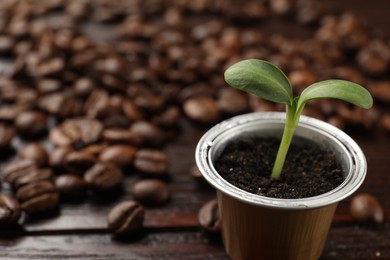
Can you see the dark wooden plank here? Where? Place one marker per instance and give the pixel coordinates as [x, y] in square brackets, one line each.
[348, 242]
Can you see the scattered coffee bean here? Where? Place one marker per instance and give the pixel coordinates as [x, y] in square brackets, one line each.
[120, 155]
[151, 162]
[57, 158]
[103, 177]
[18, 168]
[365, 207]
[35, 175]
[71, 187]
[38, 197]
[151, 135]
[202, 109]
[380, 90]
[385, 122]
[122, 136]
[232, 102]
[31, 123]
[208, 216]
[35, 152]
[150, 192]
[76, 132]
[9, 211]
[126, 218]
[79, 161]
[6, 135]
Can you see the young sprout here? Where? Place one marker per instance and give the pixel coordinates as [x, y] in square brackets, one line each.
[265, 80]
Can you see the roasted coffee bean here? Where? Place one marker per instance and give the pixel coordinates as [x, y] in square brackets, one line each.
[46, 86]
[94, 149]
[10, 112]
[120, 155]
[201, 109]
[35, 175]
[260, 105]
[131, 111]
[9, 211]
[31, 123]
[151, 134]
[6, 45]
[380, 90]
[71, 187]
[79, 161]
[17, 169]
[38, 197]
[150, 192]
[83, 87]
[151, 162]
[76, 132]
[122, 136]
[60, 105]
[35, 152]
[385, 122]
[103, 177]
[282, 6]
[196, 90]
[126, 218]
[208, 216]
[300, 79]
[57, 158]
[232, 102]
[337, 122]
[365, 207]
[169, 118]
[6, 135]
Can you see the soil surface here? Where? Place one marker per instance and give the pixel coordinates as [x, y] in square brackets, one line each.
[309, 170]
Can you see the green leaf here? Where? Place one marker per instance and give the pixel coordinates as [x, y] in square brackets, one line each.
[260, 78]
[339, 89]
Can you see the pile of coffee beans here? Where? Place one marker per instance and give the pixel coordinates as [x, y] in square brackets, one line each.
[93, 90]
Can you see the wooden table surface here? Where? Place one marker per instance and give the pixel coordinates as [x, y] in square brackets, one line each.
[172, 231]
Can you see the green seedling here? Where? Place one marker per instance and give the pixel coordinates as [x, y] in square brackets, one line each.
[265, 80]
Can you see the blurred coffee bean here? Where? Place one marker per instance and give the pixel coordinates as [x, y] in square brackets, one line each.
[103, 177]
[151, 162]
[79, 161]
[58, 155]
[46, 86]
[38, 197]
[202, 109]
[380, 90]
[34, 152]
[365, 207]
[122, 136]
[6, 45]
[195, 90]
[169, 117]
[150, 192]
[301, 79]
[31, 123]
[372, 58]
[385, 122]
[35, 175]
[258, 104]
[83, 87]
[126, 218]
[337, 122]
[71, 187]
[76, 132]
[18, 168]
[120, 155]
[151, 134]
[208, 216]
[282, 7]
[10, 112]
[131, 110]
[232, 102]
[6, 135]
[9, 211]
[349, 73]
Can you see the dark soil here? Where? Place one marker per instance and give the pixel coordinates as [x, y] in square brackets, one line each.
[308, 171]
